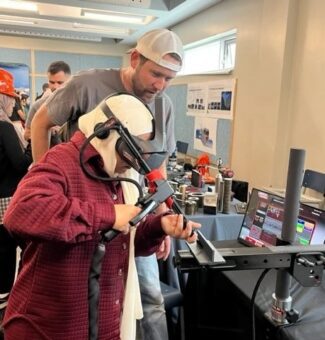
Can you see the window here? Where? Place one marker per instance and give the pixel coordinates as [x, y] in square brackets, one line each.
[212, 55]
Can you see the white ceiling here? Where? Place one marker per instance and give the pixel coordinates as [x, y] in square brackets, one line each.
[64, 19]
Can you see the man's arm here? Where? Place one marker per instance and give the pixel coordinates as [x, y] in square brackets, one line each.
[40, 133]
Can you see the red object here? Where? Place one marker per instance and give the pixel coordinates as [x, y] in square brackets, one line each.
[202, 164]
[7, 83]
[227, 173]
[152, 176]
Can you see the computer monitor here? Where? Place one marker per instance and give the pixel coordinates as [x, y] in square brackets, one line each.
[182, 147]
[262, 224]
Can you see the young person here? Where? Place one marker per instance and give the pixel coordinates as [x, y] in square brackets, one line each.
[59, 212]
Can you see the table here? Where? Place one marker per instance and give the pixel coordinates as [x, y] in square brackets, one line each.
[308, 301]
[217, 303]
[214, 227]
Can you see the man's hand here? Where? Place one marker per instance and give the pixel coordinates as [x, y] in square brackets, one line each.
[173, 226]
[164, 249]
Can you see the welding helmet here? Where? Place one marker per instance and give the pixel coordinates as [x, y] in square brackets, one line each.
[7, 83]
[132, 149]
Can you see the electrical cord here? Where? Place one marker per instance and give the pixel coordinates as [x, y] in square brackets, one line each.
[252, 304]
[105, 179]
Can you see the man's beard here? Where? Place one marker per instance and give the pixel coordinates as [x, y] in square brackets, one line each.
[142, 92]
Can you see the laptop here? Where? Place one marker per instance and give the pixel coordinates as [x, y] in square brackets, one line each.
[263, 220]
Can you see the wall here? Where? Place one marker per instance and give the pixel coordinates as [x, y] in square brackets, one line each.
[280, 71]
[38, 53]
[280, 68]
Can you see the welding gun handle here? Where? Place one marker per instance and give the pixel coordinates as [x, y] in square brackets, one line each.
[178, 210]
[110, 235]
[146, 209]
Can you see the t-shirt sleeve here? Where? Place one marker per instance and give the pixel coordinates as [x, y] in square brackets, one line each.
[64, 104]
[33, 109]
[170, 126]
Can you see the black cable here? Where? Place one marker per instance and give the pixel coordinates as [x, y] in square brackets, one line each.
[252, 304]
[105, 179]
[99, 253]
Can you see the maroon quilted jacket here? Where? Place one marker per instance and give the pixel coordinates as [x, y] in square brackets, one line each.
[57, 211]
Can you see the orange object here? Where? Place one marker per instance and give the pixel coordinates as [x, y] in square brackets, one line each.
[7, 83]
[202, 164]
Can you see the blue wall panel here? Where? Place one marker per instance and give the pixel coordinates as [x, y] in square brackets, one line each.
[15, 55]
[77, 62]
[39, 81]
[43, 59]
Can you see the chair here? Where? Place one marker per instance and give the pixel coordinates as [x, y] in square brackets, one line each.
[240, 190]
[312, 180]
[173, 297]
[315, 181]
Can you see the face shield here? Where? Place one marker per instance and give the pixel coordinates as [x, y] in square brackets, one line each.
[142, 155]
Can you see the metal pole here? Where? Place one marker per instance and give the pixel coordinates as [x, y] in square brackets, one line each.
[281, 298]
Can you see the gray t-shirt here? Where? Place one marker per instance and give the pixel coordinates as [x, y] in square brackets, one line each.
[33, 110]
[84, 91]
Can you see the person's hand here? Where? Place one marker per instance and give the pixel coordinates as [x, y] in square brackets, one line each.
[164, 249]
[173, 226]
[55, 129]
[161, 208]
[123, 214]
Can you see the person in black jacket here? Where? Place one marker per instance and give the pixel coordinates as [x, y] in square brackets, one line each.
[15, 159]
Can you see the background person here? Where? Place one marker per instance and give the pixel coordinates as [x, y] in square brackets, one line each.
[14, 162]
[154, 62]
[24, 103]
[45, 91]
[18, 115]
[58, 73]
[69, 209]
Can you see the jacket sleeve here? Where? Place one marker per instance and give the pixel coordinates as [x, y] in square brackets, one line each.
[42, 209]
[149, 236]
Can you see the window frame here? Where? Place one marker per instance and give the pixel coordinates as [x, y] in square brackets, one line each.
[225, 40]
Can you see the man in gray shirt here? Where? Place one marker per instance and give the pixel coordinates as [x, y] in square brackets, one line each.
[154, 62]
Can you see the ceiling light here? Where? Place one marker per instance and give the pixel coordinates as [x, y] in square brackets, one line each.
[51, 35]
[101, 29]
[19, 5]
[115, 17]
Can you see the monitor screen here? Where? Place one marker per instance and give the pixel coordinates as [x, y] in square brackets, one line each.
[181, 147]
[262, 224]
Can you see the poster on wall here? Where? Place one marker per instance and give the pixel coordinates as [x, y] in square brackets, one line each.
[221, 96]
[196, 99]
[212, 99]
[205, 134]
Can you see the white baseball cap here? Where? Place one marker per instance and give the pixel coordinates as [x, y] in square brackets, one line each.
[154, 45]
